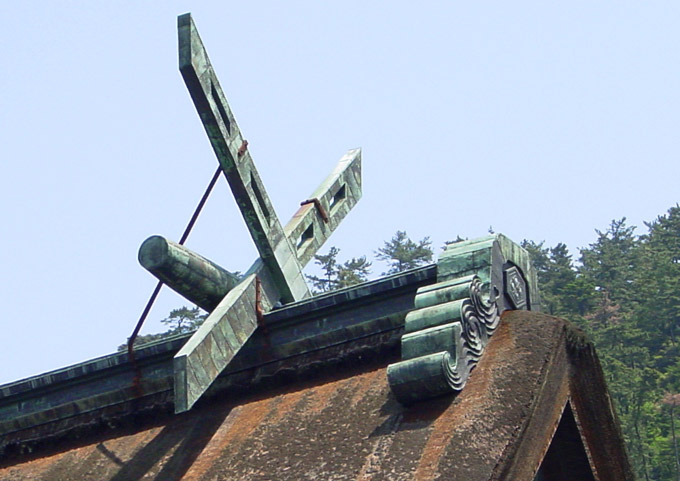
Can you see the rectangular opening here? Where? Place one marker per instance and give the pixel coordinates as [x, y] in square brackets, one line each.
[308, 234]
[338, 197]
[260, 199]
[220, 107]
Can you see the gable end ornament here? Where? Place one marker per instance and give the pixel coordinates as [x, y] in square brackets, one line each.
[446, 333]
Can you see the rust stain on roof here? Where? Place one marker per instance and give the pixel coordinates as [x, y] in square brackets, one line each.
[346, 425]
[318, 398]
[480, 396]
[366, 385]
[439, 438]
[236, 427]
[285, 405]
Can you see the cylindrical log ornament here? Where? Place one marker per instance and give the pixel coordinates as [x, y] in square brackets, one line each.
[192, 276]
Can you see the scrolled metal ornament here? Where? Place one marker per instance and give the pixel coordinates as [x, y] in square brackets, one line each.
[446, 333]
[439, 356]
[485, 308]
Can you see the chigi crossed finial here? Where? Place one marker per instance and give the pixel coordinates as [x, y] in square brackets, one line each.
[276, 277]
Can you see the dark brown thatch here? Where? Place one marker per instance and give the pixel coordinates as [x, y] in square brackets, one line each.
[538, 389]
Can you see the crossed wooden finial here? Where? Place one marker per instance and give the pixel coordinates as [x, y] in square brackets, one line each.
[276, 277]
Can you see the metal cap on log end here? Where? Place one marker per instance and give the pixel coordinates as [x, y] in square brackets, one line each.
[189, 274]
[153, 252]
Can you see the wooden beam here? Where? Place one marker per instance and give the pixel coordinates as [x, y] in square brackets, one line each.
[215, 344]
[337, 195]
[232, 152]
[283, 252]
[191, 275]
[205, 283]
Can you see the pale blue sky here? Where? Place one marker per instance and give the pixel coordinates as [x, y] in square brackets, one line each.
[540, 119]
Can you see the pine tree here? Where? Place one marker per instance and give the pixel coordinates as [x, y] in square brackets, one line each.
[659, 278]
[563, 291]
[671, 402]
[336, 275]
[610, 261]
[401, 253]
[353, 271]
[184, 319]
[329, 266]
[180, 321]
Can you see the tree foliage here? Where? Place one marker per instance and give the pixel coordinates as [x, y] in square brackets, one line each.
[353, 271]
[183, 320]
[625, 292]
[180, 321]
[329, 268]
[335, 275]
[401, 253]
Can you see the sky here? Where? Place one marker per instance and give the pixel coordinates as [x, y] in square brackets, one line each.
[540, 120]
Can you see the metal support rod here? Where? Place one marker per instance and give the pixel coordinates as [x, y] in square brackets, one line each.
[157, 289]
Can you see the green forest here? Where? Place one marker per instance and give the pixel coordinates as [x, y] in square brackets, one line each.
[623, 290]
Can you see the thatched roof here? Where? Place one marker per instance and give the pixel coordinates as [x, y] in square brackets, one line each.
[537, 399]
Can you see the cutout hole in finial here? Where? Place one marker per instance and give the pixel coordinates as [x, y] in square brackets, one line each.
[307, 235]
[220, 107]
[260, 198]
[338, 197]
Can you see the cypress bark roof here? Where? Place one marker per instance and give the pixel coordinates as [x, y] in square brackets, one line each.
[537, 399]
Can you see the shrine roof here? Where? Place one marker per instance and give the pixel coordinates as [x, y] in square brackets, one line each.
[538, 381]
[334, 329]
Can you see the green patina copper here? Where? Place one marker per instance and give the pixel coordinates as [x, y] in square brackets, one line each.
[231, 150]
[340, 326]
[344, 179]
[276, 275]
[193, 276]
[205, 283]
[447, 332]
[215, 344]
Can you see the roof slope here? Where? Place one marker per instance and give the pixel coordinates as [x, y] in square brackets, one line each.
[347, 425]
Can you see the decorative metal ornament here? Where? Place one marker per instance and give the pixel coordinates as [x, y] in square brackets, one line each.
[276, 277]
[453, 320]
[515, 287]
